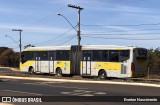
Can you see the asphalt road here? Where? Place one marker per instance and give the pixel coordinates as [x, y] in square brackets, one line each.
[10, 87]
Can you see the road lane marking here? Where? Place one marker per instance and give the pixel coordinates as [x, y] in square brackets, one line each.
[22, 92]
[86, 95]
[83, 93]
[54, 82]
[88, 91]
[78, 90]
[100, 93]
[46, 84]
[65, 92]
[61, 86]
[82, 88]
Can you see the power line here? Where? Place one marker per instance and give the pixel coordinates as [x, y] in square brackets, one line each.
[94, 25]
[105, 34]
[59, 41]
[54, 38]
[131, 30]
[45, 18]
[68, 40]
[124, 38]
[11, 43]
[15, 48]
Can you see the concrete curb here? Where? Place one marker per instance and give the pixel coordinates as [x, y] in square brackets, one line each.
[80, 81]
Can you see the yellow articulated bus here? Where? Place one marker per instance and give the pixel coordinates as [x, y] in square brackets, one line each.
[86, 60]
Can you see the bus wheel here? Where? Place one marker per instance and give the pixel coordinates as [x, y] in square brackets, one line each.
[31, 70]
[102, 74]
[58, 71]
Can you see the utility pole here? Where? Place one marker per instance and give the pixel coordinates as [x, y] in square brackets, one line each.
[77, 59]
[20, 41]
[78, 31]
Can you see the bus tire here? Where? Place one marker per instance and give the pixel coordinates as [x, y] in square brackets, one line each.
[58, 71]
[31, 70]
[102, 74]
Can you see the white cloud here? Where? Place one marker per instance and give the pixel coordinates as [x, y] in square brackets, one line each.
[106, 6]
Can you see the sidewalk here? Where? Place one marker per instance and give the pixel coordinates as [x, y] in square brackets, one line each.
[20, 74]
[80, 81]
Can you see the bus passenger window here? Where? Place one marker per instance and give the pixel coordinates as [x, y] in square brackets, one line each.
[44, 55]
[23, 57]
[97, 55]
[124, 55]
[30, 55]
[114, 56]
[105, 55]
[62, 55]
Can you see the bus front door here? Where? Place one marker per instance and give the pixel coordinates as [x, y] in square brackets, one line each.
[86, 63]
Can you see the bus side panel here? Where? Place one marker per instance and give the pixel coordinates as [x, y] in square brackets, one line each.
[44, 66]
[64, 65]
[25, 66]
[112, 68]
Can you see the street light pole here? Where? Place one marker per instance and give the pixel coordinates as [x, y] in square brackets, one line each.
[12, 39]
[20, 42]
[67, 21]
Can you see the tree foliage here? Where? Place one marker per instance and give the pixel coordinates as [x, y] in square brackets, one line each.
[8, 58]
[29, 45]
[154, 60]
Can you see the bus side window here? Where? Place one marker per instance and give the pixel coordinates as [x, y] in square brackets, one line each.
[124, 55]
[23, 57]
[62, 55]
[105, 55]
[97, 55]
[66, 55]
[30, 55]
[44, 55]
[51, 55]
[114, 56]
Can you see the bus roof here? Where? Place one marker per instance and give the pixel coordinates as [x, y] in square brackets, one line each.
[84, 47]
[114, 47]
[47, 48]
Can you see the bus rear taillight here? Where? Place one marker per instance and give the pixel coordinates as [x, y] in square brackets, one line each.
[132, 67]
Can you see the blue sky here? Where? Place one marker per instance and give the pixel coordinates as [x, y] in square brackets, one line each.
[103, 22]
